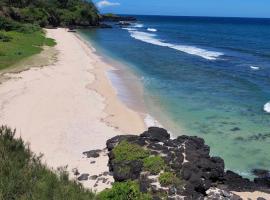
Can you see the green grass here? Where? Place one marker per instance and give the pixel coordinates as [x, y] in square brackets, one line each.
[124, 191]
[167, 178]
[126, 151]
[20, 45]
[153, 164]
[23, 177]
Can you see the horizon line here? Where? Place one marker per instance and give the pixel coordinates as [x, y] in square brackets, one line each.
[190, 16]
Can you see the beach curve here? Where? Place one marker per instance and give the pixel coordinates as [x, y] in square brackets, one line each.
[68, 108]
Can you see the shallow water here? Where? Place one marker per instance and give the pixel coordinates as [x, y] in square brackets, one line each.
[208, 77]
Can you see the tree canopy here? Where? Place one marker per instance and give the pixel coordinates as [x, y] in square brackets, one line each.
[51, 12]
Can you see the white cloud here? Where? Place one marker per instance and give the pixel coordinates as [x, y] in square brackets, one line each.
[106, 3]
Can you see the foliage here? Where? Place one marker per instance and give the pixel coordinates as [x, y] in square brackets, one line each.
[7, 24]
[153, 164]
[169, 178]
[22, 176]
[123, 191]
[4, 37]
[126, 151]
[51, 12]
[21, 45]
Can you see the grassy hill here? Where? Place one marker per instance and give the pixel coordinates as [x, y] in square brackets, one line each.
[21, 21]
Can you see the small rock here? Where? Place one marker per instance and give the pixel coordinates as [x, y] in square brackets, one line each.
[83, 177]
[94, 177]
[92, 162]
[75, 172]
[235, 129]
[92, 153]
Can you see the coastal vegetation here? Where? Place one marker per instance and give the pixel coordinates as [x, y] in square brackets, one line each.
[23, 176]
[21, 24]
[51, 12]
[128, 190]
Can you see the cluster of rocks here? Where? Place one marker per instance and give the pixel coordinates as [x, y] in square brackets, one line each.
[117, 18]
[202, 176]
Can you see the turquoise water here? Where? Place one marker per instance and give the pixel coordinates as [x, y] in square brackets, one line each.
[208, 77]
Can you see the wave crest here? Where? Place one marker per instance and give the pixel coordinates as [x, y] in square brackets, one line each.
[151, 38]
[266, 107]
[152, 29]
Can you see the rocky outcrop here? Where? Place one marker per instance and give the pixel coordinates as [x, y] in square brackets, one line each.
[117, 18]
[194, 174]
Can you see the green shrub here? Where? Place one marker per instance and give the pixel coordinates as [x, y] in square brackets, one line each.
[126, 151]
[153, 164]
[123, 191]
[23, 176]
[4, 37]
[167, 178]
[7, 24]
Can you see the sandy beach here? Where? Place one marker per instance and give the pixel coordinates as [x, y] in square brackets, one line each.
[68, 107]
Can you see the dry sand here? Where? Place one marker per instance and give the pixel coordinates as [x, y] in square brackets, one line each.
[67, 108]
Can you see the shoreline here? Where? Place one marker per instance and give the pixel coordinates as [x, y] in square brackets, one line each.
[78, 98]
[67, 108]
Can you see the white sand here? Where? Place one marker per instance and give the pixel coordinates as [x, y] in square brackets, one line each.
[252, 195]
[67, 108]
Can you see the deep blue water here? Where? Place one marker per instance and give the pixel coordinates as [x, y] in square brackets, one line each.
[208, 77]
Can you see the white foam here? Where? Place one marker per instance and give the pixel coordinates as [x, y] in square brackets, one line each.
[151, 122]
[151, 38]
[266, 107]
[136, 25]
[130, 29]
[254, 68]
[152, 29]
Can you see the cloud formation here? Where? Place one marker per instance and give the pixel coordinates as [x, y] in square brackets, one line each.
[105, 3]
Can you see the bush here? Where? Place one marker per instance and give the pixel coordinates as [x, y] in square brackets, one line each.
[123, 191]
[10, 25]
[5, 38]
[23, 176]
[126, 151]
[169, 178]
[153, 164]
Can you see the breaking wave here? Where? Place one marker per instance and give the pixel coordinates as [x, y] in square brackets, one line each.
[152, 39]
[152, 29]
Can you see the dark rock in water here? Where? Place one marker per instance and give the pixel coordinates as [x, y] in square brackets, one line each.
[105, 26]
[235, 129]
[124, 23]
[92, 153]
[156, 134]
[261, 173]
[116, 18]
[83, 177]
[188, 159]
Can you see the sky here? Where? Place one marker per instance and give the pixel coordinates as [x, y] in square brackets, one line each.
[219, 8]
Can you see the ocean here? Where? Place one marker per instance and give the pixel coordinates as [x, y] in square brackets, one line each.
[208, 77]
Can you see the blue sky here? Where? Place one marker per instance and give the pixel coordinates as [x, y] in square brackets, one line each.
[226, 8]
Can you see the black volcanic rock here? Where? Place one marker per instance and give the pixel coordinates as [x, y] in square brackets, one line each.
[197, 174]
[127, 170]
[156, 134]
[116, 18]
[92, 153]
[261, 173]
